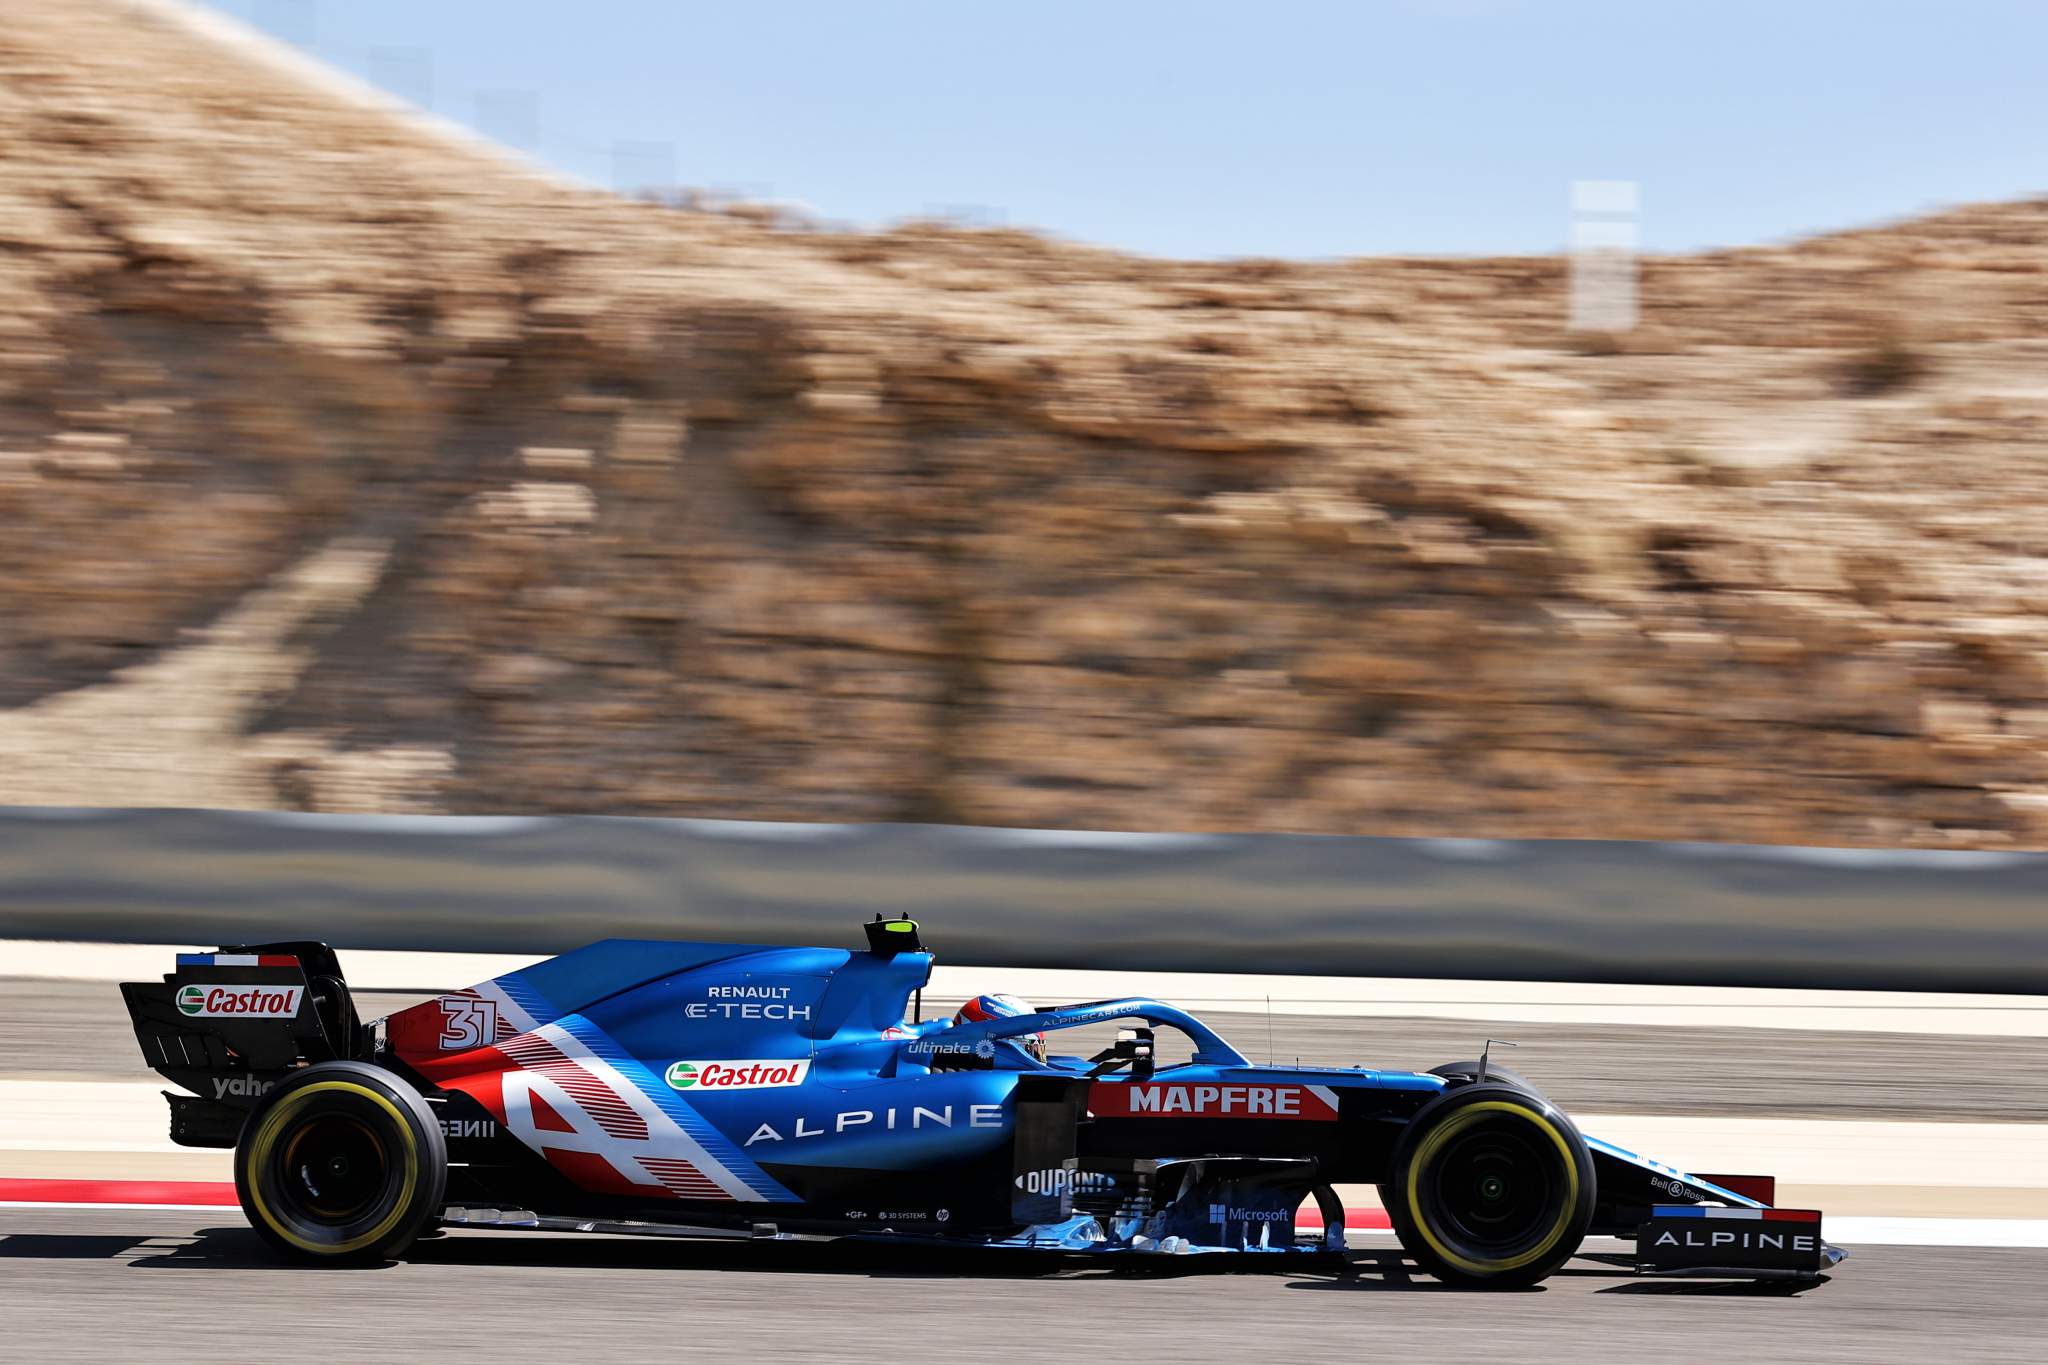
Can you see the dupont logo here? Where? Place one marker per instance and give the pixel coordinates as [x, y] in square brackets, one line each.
[1057, 1180]
[737, 1075]
[240, 1002]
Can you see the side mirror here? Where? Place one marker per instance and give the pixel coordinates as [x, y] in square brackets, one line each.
[1132, 1048]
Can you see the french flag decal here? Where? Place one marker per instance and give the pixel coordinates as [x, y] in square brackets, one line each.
[1750, 1215]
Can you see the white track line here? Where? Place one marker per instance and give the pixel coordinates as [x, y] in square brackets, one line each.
[1850, 1233]
[85, 1116]
[1935, 1232]
[366, 970]
[2017, 1016]
[223, 1209]
[1837, 1151]
[129, 1116]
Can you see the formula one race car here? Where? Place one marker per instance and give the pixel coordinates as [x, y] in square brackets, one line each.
[722, 1090]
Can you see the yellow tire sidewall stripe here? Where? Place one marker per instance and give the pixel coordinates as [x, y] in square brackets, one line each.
[274, 1124]
[1450, 1127]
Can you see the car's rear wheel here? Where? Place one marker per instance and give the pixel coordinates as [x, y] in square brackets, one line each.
[1491, 1187]
[341, 1163]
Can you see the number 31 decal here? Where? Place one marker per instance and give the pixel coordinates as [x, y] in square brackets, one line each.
[467, 1022]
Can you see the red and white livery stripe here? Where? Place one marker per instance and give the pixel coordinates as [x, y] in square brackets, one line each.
[553, 1094]
[540, 1055]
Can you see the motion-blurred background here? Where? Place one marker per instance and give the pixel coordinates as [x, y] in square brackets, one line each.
[1423, 417]
[349, 462]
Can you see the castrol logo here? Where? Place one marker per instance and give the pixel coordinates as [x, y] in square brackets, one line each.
[737, 1075]
[240, 1002]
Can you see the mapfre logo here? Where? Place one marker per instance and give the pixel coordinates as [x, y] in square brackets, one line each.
[240, 1002]
[1220, 1100]
[737, 1075]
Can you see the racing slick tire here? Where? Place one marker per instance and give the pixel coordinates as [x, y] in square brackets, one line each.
[1466, 1073]
[1491, 1187]
[341, 1163]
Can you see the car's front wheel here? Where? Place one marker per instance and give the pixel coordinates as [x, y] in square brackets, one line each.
[1467, 1073]
[1491, 1187]
[341, 1163]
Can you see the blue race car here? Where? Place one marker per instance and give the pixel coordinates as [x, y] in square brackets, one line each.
[721, 1089]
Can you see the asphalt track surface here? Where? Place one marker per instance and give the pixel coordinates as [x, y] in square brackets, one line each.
[165, 1285]
[79, 1029]
[77, 1284]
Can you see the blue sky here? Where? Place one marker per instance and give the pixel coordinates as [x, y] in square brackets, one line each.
[1284, 127]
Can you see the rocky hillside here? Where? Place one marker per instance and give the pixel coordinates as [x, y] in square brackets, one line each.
[347, 466]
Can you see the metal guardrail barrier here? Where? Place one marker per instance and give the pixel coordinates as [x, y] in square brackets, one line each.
[1695, 914]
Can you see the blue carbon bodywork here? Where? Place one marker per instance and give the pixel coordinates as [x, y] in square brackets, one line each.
[704, 1083]
[872, 1097]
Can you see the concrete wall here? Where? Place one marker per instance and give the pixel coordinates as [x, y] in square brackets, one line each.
[1589, 911]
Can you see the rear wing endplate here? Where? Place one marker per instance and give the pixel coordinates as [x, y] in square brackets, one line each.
[235, 1014]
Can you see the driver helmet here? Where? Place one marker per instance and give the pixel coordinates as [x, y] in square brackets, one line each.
[983, 1008]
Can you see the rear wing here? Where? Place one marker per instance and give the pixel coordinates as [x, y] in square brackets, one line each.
[226, 1025]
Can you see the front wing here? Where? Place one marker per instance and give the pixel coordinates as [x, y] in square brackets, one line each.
[1717, 1226]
